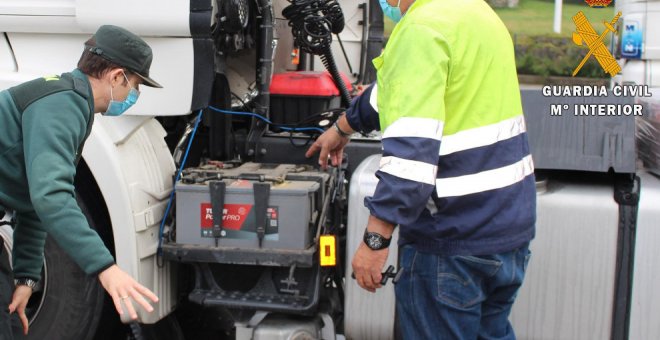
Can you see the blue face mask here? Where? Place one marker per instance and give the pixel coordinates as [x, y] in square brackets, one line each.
[116, 108]
[390, 11]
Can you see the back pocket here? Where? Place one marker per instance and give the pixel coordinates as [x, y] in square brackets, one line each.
[460, 279]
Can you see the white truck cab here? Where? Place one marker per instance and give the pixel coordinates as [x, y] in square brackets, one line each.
[224, 53]
[205, 52]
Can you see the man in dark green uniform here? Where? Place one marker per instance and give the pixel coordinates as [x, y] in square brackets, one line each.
[45, 124]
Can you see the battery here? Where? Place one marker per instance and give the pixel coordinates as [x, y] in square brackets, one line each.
[294, 195]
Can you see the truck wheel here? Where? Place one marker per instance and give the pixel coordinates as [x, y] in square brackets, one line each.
[67, 303]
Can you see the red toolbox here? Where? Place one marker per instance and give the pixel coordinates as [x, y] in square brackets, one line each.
[295, 96]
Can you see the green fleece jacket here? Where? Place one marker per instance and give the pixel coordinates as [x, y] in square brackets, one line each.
[42, 137]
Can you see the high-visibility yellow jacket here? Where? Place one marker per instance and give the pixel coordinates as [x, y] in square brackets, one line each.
[456, 172]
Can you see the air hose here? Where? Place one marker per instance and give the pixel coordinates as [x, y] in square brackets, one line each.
[312, 24]
[136, 331]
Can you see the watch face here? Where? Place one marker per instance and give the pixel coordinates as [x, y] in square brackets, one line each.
[374, 242]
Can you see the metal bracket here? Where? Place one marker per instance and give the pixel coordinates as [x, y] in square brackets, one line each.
[217, 191]
[261, 197]
[290, 281]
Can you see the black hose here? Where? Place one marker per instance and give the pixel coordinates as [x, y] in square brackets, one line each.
[312, 24]
[329, 63]
[136, 331]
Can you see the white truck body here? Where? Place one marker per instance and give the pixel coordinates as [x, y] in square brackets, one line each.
[132, 166]
[637, 43]
[127, 156]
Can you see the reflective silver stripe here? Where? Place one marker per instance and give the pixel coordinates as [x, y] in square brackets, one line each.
[482, 136]
[410, 170]
[485, 180]
[373, 100]
[415, 127]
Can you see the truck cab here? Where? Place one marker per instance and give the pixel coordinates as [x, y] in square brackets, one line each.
[242, 99]
[206, 53]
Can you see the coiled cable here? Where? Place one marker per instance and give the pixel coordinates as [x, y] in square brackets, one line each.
[312, 24]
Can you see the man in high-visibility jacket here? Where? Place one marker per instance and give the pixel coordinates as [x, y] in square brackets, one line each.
[456, 173]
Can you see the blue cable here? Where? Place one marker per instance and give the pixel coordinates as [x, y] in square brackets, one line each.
[284, 128]
[178, 176]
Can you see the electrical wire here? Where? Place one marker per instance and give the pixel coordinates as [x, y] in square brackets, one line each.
[178, 176]
[282, 127]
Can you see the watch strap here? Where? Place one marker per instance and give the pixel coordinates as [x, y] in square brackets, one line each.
[340, 131]
[25, 281]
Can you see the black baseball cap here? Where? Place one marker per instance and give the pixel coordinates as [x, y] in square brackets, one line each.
[125, 49]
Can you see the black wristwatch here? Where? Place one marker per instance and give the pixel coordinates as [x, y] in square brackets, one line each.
[376, 241]
[24, 281]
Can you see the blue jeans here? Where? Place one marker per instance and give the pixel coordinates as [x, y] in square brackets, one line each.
[458, 297]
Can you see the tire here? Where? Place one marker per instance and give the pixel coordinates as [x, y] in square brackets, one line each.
[68, 304]
[68, 307]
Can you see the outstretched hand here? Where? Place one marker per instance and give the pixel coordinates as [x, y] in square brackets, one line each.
[330, 143]
[124, 290]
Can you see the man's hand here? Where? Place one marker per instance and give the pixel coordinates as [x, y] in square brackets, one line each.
[368, 266]
[330, 143]
[18, 302]
[124, 289]
[367, 263]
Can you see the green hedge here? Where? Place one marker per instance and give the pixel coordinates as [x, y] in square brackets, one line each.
[548, 55]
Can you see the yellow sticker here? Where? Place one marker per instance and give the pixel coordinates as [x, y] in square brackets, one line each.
[328, 250]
